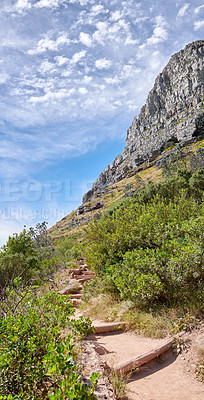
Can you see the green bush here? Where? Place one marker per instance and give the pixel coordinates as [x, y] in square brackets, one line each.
[151, 252]
[36, 360]
[29, 255]
[196, 183]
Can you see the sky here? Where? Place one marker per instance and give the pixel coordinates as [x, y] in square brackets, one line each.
[73, 75]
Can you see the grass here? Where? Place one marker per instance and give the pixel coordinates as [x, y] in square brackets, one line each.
[104, 306]
[107, 308]
[118, 384]
[152, 323]
[200, 365]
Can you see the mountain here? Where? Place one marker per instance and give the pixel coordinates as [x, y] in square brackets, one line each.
[173, 112]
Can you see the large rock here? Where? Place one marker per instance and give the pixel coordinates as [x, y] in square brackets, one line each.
[173, 112]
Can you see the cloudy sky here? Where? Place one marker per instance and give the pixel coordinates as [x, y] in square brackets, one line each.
[73, 74]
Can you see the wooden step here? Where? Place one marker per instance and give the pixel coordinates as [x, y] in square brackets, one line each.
[76, 296]
[75, 271]
[130, 365]
[69, 289]
[89, 273]
[109, 327]
[75, 302]
[85, 278]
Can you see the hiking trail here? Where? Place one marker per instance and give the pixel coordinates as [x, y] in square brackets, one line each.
[150, 367]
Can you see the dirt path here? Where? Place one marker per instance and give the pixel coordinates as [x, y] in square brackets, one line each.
[165, 380]
[169, 377]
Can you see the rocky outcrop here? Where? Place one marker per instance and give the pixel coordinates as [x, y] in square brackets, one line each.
[84, 209]
[174, 111]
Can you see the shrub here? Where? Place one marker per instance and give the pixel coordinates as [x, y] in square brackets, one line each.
[29, 255]
[36, 362]
[151, 252]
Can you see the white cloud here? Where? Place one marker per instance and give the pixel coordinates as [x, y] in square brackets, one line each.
[78, 56]
[131, 41]
[61, 60]
[101, 33]
[129, 71]
[97, 9]
[198, 9]
[183, 10]
[67, 73]
[49, 44]
[198, 25]
[85, 39]
[112, 81]
[46, 66]
[103, 63]
[87, 79]
[52, 96]
[4, 78]
[116, 15]
[22, 5]
[82, 2]
[159, 33]
[83, 90]
[49, 3]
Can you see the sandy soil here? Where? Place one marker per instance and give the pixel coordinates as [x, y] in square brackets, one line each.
[169, 379]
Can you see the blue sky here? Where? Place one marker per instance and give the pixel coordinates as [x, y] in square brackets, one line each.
[73, 74]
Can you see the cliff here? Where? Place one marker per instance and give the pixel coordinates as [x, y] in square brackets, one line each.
[174, 111]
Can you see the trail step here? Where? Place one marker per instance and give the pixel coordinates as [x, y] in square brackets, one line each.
[84, 279]
[75, 302]
[124, 367]
[76, 296]
[67, 291]
[89, 273]
[109, 327]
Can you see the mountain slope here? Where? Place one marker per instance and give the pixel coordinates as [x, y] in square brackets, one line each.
[173, 112]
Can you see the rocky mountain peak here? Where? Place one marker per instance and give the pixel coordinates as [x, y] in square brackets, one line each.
[174, 111]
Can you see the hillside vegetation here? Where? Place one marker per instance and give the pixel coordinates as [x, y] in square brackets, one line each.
[39, 337]
[147, 249]
[172, 157]
[150, 246]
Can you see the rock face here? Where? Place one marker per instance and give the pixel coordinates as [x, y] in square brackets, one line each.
[174, 111]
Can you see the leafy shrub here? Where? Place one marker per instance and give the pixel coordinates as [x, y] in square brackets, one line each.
[36, 362]
[152, 252]
[29, 255]
[135, 279]
[69, 248]
[197, 159]
[196, 183]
